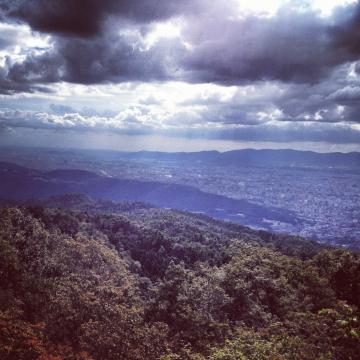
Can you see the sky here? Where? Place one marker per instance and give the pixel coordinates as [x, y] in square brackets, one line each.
[180, 75]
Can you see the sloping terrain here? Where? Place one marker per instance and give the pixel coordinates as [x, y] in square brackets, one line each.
[19, 183]
[89, 279]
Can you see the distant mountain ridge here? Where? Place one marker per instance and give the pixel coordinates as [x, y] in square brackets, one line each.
[262, 158]
[243, 158]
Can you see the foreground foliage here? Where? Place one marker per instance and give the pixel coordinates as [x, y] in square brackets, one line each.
[136, 282]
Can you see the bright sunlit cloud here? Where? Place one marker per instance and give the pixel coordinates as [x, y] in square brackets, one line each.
[22, 40]
[164, 30]
[270, 7]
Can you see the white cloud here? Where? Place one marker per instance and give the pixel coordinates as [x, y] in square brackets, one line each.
[270, 7]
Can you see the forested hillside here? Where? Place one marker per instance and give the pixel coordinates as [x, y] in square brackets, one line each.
[86, 279]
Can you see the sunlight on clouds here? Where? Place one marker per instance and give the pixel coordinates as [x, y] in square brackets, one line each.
[327, 6]
[272, 115]
[22, 41]
[167, 30]
[168, 93]
[24, 36]
[340, 110]
[270, 7]
[352, 74]
[180, 92]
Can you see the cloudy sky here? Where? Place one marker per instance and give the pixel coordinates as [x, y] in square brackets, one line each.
[180, 74]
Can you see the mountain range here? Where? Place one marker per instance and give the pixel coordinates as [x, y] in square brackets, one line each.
[261, 158]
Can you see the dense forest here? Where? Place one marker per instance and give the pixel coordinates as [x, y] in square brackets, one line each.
[93, 279]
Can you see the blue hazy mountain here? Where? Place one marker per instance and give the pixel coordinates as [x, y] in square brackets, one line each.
[262, 158]
[19, 183]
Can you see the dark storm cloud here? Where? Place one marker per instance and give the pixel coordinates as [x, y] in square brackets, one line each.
[345, 31]
[31, 74]
[357, 68]
[38, 69]
[305, 55]
[86, 18]
[115, 59]
[347, 95]
[112, 58]
[292, 46]
[85, 50]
